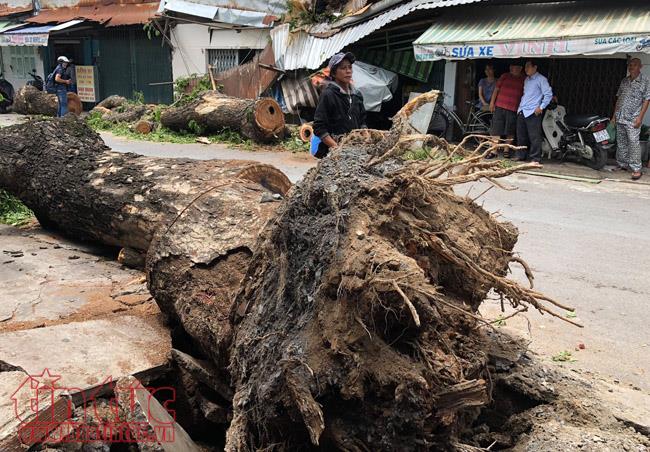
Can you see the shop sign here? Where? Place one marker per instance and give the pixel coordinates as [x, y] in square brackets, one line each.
[24, 39]
[86, 83]
[606, 45]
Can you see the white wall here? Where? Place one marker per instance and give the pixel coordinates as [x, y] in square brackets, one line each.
[9, 72]
[449, 86]
[191, 41]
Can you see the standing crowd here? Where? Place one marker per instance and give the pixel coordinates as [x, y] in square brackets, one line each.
[517, 100]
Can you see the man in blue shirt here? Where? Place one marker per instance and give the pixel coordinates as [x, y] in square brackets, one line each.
[537, 96]
[61, 83]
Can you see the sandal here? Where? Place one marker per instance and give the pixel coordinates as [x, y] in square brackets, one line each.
[491, 156]
[636, 175]
[506, 154]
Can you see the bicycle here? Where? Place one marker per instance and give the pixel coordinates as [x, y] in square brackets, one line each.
[477, 122]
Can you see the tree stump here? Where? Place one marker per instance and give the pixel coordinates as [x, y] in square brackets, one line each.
[259, 120]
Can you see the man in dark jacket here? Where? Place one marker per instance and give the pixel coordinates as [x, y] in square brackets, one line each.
[340, 108]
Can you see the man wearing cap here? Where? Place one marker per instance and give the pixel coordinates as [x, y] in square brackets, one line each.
[61, 83]
[340, 108]
[504, 103]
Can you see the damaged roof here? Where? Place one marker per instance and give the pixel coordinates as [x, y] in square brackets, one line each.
[252, 13]
[309, 48]
[15, 7]
[121, 12]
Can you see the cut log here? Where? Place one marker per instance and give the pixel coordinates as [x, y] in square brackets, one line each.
[259, 120]
[306, 132]
[31, 101]
[112, 102]
[143, 127]
[126, 114]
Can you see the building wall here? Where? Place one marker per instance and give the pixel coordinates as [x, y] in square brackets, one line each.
[11, 73]
[191, 41]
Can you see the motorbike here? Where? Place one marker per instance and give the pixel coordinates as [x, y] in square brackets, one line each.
[579, 137]
[6, 94]
[37, 81]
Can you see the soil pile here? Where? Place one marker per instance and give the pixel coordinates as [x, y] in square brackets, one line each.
[355, 327]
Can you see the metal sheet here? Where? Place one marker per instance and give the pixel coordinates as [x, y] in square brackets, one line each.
[249, 80]
[301, 50]
[31, 30]
[15, 7]
[7, 25]
[111, 15]
[568, 28]
[189, 8]
[247, 13]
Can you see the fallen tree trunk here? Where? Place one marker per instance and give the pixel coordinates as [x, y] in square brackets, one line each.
[259, 120]
[353, 324]
[62, 170]
[114, 198]
[31, 101]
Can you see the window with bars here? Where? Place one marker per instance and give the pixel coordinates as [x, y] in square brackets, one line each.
[223, 59]
[22, 60]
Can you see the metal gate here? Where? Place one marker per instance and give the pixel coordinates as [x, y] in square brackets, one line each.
[586, 85]
[130, 62]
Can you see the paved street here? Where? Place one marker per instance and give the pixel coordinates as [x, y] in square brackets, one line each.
[587, 243]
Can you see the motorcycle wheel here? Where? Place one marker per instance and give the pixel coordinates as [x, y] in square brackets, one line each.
[599, 159]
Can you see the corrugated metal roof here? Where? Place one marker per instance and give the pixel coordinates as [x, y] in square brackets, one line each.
[301, 50]
[6, 25]
[111, 15]
[539, 22]
[189, 8]
[31, 30]
[253, 13]
[7, 9]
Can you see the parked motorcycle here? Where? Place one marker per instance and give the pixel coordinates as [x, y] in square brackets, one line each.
[6, 94]
[37, 81]
[578, 137]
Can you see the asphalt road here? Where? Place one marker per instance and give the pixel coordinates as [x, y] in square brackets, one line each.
[588, 244]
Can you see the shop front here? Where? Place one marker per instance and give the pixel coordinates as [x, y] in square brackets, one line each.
[582, 47]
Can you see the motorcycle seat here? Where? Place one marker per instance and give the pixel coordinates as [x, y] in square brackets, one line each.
[579, 120]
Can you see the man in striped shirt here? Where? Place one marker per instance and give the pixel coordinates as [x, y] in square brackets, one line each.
[505, 102]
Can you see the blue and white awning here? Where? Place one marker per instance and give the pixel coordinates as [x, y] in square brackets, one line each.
[33, 35]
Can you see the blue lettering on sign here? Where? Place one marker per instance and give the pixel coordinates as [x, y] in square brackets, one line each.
[615, 40]
[485, 51]
[469, 52]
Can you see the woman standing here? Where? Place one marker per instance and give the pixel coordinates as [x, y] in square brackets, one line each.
[340, 108]
[486, 88]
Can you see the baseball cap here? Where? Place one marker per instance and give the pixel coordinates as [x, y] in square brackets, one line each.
[336, 60]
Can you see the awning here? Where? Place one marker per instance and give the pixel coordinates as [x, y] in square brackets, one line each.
[32, 35]
[112, 15]
[551, 29]
[6, 25]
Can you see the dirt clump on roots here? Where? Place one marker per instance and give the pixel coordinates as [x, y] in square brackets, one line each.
[355, 327]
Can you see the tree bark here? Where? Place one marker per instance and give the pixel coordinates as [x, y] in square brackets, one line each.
[31, 101]
[259, 120]
[205, 215]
